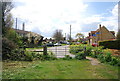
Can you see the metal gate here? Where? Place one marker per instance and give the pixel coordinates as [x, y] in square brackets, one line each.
[59, 51]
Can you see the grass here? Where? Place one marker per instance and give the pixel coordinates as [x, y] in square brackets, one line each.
[58, 69]
[34, 48]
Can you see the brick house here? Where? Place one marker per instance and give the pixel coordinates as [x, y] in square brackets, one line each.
[101, 34]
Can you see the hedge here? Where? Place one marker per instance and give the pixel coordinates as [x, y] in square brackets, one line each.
[110, 44]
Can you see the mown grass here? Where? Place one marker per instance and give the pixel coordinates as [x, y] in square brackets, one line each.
[58, 69]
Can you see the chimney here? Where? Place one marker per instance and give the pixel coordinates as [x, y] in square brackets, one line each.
[99, 25]
[23, 26]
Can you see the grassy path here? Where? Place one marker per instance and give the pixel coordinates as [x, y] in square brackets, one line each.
[58, 69]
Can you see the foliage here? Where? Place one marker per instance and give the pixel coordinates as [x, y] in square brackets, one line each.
[74, 49]
[104, 55]
[21, 55]
[79, 55]
[7, 47]
[110, 44]
[13, 36]
[58, 35]
[67, 57]
[6, 16]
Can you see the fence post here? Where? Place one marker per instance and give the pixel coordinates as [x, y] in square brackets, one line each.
[84, 52]
[44, 50]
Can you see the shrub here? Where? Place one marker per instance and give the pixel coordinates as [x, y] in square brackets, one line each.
[7, 47]
[110, 44]
[115, 61]
[67, 57]
[76, 49]
[79, 56]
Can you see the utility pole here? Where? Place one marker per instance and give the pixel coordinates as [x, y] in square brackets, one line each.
[65, 36]
[16, 24]
[16, 27]
[23, 26]
[70, 33]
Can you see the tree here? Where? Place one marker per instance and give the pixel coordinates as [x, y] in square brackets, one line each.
[118, 35]
[6, 16]
[79, 36]
[58, 35]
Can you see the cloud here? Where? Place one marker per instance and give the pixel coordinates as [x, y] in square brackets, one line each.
[112, 21]
[44, 16]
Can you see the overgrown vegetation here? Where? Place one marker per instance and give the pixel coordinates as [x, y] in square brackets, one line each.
[104, 55]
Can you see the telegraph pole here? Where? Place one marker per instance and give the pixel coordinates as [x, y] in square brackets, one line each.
[70, 33]
[16, 24]
[65, 36]
[16, 27]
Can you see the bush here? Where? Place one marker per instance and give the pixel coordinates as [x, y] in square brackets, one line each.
[7, 48]
[79, 56]
[110, 44]
[76, 49]
[67, 57]
[115, 61]
[104, 55]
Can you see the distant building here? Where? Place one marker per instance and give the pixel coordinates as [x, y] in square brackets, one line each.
[27, 33]
[101, 34]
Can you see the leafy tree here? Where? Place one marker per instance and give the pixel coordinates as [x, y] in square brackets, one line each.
[58, 35]
[79, 36]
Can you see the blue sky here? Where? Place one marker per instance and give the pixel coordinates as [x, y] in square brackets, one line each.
[44, 17]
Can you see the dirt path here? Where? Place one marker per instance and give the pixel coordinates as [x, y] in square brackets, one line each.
[93, 61]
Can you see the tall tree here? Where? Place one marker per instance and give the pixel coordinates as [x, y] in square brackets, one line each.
[58, 35]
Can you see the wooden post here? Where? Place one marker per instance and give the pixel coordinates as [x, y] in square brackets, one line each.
[45, 50]
[84, 52]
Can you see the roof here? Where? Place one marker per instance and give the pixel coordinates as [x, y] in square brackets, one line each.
[93, 32]
[21, 31]
[112, 32]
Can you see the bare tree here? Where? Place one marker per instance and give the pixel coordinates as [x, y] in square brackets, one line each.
[58, 35]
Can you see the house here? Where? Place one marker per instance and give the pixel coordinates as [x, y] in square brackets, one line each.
[37, 37]
[27, 33]
[101, 34]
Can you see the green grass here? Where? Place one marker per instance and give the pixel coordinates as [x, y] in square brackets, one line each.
[34, 48]
[58, 69]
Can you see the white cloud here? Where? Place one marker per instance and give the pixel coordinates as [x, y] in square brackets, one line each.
[93, 19]
[112, 22]
[48, 15]
[44, 16]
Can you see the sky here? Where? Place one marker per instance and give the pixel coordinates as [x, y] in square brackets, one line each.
[45, 16]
